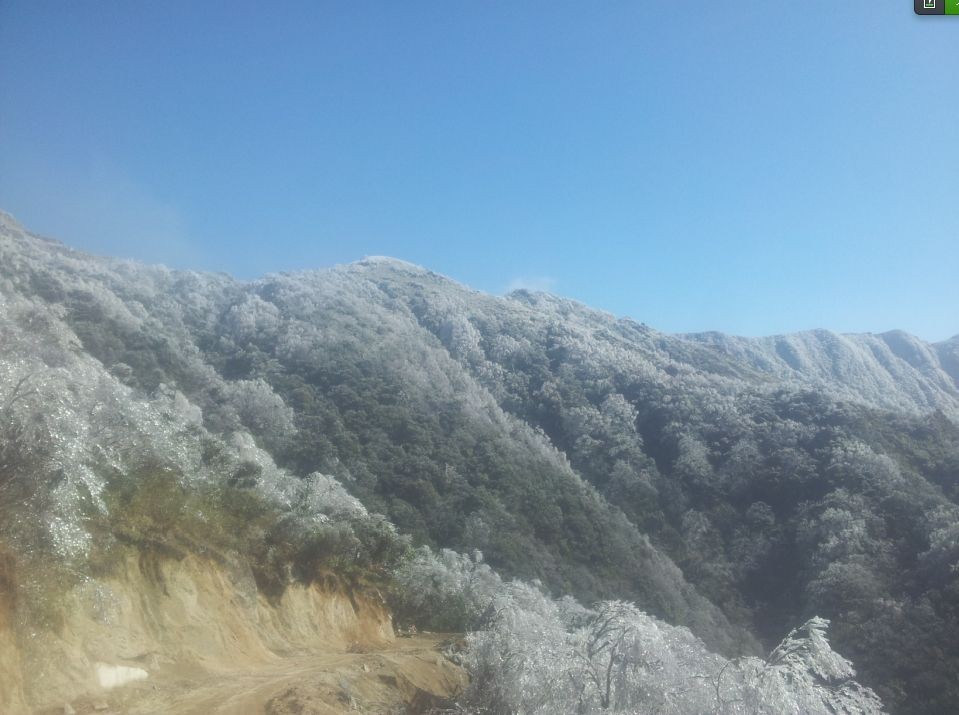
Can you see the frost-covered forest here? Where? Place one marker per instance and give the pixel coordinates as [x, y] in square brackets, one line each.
[650, 522]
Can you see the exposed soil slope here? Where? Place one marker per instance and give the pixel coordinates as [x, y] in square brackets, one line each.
[193, 635]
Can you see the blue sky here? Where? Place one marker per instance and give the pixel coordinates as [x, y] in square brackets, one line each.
[750, 167]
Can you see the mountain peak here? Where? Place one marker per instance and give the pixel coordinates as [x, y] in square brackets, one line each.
[390, 262]
[7, 220]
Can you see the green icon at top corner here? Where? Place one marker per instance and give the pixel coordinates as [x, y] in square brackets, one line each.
[952, 7]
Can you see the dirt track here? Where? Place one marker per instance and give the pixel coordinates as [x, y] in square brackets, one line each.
[407, 675]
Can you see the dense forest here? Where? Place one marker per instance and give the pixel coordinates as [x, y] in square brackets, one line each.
[738, 488]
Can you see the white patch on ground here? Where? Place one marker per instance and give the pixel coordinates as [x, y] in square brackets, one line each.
[111, 676]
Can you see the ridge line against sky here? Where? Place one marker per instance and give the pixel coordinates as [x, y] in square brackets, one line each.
[700, 168]
[517, 285]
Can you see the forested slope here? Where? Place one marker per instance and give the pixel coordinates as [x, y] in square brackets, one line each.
[735, 486]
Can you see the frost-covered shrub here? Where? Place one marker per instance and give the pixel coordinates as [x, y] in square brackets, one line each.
[804, 675]
[444, 590]
[263, 412]
[529, 659]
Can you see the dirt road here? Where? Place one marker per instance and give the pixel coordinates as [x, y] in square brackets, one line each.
[409, 675]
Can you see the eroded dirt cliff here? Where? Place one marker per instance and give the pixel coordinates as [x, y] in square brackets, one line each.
[194, 635]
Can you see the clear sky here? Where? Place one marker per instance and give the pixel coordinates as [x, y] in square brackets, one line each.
[751, 167]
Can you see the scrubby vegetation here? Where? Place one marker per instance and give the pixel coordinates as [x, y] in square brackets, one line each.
[89, 469]
[529, 653]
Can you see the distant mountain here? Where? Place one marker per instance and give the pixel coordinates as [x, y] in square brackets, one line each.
[734, 485]
[893, 370]
[948, 351]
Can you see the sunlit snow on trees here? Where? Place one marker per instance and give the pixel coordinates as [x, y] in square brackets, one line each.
[529, 654]
[69, 428]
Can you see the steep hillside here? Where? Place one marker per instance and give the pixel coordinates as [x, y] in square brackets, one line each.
[382, 404]
[735, 486]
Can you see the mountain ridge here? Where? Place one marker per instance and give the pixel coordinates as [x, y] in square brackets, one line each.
[713, 337]
[737, 486]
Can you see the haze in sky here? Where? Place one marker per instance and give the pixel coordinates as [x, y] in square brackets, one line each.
[749, 167]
